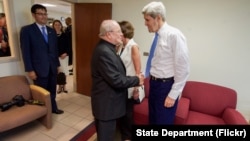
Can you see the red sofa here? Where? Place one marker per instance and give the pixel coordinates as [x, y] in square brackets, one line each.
[205, 103]
[200, 103]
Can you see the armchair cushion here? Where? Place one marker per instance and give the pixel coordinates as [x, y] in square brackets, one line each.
[15, 116]
[197, 118]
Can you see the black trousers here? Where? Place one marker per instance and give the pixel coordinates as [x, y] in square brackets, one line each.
[126, 122]
[158, 113]
[49, 83]
[105, 130]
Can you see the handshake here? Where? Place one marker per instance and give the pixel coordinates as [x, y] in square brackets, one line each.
[141, 78]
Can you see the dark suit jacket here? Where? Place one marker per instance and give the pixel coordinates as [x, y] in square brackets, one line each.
[68, 32]
[63, 44]
[109, 83]
[38, 55]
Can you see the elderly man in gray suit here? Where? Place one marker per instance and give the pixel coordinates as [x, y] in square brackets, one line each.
[110, 83]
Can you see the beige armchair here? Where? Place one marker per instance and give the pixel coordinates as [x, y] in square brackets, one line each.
[15, 116]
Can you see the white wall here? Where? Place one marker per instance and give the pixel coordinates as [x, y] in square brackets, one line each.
[217, 31]
[13, 65]
[1, 6]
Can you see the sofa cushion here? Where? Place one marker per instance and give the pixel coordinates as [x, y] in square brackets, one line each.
[146, 86]
[141, 113]
[12, 86]
[9, 118]
[204, 119]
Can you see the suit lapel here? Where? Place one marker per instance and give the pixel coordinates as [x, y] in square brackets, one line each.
[39, 33]
[49, 33]
[119, 58]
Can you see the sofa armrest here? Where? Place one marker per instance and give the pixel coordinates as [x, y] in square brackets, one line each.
[182, 110]
[41, 94]
[232, 116]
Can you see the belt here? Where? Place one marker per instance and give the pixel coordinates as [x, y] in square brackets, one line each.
[161, 79]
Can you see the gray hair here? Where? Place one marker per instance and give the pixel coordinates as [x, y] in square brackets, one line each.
[107, 26]
[155, 8]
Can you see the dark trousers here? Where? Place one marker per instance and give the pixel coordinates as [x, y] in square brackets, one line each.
[48, 83]
[105, 130]
[127, 121]
[158, 113]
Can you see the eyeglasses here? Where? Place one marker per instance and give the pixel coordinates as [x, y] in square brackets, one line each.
[42, 14]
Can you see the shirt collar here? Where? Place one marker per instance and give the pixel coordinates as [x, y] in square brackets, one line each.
[40, 26]
[162, 28]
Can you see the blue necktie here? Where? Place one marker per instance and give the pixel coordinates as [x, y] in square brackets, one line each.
[44, 34]
[151, 54]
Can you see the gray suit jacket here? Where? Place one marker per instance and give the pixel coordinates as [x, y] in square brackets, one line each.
[109, 83]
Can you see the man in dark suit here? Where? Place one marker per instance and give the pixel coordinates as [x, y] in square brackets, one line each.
[40, 53]
[68, 32]
[109, 81]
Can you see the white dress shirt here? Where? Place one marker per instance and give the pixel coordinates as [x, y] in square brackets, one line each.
[171, 58]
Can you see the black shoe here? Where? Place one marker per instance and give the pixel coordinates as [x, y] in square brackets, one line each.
[71, 70]
[60, 89]
[65, 91]
[58, 111]
[71, 73]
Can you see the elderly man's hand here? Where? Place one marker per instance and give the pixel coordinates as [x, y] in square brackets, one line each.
[141, 78]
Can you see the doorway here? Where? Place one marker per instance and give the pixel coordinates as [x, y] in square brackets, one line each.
[88, 17]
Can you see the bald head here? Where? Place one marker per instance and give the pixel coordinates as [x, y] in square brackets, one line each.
[110, 31]
[108, 26]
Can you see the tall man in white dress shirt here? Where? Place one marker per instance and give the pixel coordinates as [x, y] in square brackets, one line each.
[169, 68]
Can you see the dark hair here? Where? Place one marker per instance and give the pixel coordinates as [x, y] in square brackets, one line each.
[58, 21]
[2, 15]
[127, 29]
[37, 6]
[68, 21]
